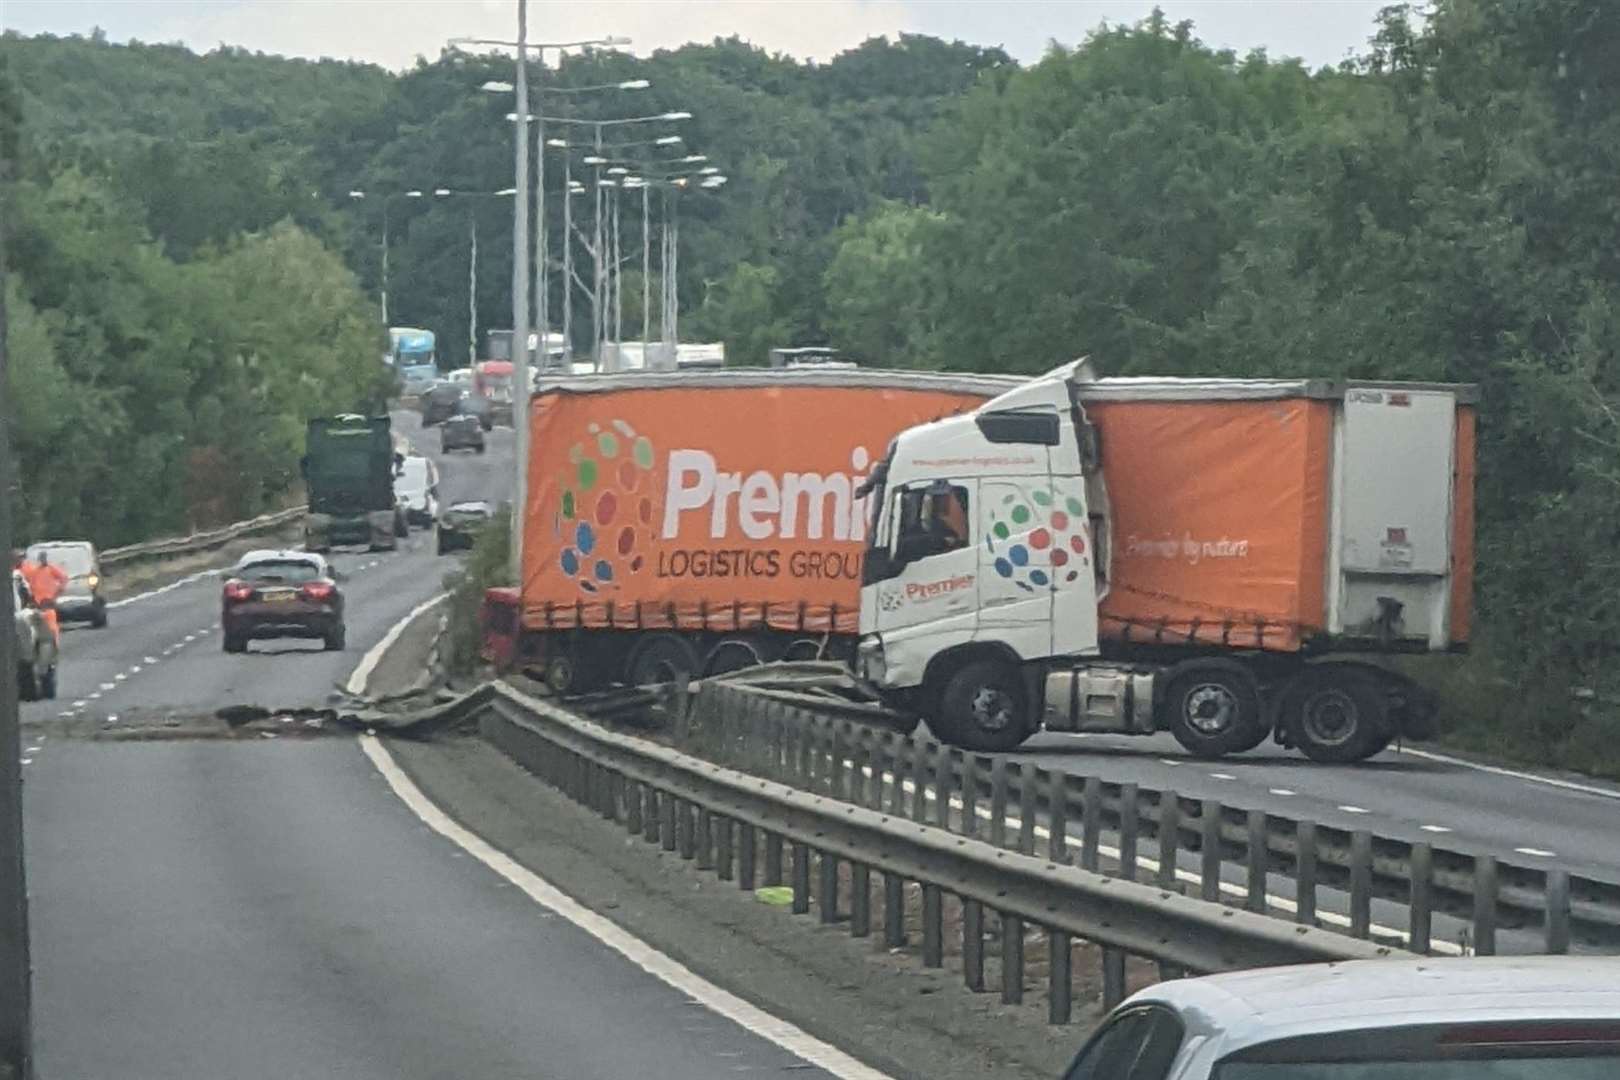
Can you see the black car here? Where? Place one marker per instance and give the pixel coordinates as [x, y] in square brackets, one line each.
[441, 402]
[461, 432]
[272, 594]
[459, 525]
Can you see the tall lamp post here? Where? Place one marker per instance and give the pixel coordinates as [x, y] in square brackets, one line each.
[385, 199]
[472, 260]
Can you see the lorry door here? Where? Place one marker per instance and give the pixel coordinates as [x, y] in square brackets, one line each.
[1038, 592]
[933, 587]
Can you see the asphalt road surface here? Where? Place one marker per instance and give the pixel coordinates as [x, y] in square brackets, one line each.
[272, 909]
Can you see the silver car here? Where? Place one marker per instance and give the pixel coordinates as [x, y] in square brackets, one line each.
[36, 645]
[1464, 1018]
[81, 599]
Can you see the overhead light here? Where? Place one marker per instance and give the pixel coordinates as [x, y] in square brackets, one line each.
[679, 181]
[357, 194]
[714, 182]
[594, 160]
[693, 159]
[635, 84]
[413, 194]
[507, 191]
[561, 144]
[668, 140]
[607, 183]
[708, 170]
[495, 86]
[675, 116]
[441, 191]
[618, 170]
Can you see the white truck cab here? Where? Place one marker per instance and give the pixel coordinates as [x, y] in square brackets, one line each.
[992, 553]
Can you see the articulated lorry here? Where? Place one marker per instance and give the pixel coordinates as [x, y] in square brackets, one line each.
[348, 466]
[1129, 555]
[1184, 555]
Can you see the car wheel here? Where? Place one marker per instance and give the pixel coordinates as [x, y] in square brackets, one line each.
[1213, 709]
[335, 639]
[235, 644]
[983, 708]
[98, 619]
[1335, 715]
[479, 449]
[47, 684]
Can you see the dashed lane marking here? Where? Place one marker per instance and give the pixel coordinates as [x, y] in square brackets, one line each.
[1354, 809]
[1535, 852]
[1435, 828]
[672, 973]
[1284, 792]
[1222, 776]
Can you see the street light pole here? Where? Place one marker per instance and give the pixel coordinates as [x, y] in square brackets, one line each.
[385, 262]
[598, 309]
[646, 280]
[472, 289]
[542, 284]
[520, 297]
[568, 261]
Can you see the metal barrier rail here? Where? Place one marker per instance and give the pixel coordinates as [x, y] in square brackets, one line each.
[199, 541]
[779, 733]
[750, 830]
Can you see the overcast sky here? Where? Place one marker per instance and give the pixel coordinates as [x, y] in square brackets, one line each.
[395, 32]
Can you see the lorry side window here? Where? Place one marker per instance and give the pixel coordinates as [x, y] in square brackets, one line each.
[933, 521]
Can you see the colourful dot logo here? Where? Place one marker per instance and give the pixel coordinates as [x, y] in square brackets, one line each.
[1039, 543]
[605, 513]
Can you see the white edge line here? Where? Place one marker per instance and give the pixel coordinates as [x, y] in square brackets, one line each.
[187, 580]
[747, 1016]
[362, 671]
[1497, 770]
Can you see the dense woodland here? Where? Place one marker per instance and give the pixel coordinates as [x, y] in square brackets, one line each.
[189, 277]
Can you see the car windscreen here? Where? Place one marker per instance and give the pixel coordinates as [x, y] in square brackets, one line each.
[413, 478]
[73, 558]
[279, 572]
[1539, 1050]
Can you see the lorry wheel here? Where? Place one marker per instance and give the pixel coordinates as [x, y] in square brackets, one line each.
[27, 683]
[1336, 715]
[1213, 709]
[734, 654]
[662, 658]
[803, 649]
[983, 708]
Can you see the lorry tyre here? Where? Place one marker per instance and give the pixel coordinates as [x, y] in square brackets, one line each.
[803, 649]
[662, 658]
[27, 683]
[735, 653]
[1336, 715]
[1213, 709]
[983, 708]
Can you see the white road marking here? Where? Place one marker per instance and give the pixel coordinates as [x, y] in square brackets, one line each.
[1222, 776]
[191, 637]
[1540, 853]
[95, 695]
[1354, 809]
[27, 761]
[135, 669]
[120, 677]
[107, 686]
[112, 718]
[368, 663]
[677, 976]
[79, 704]
[187, 580]
[149, 660]
[1435, 828]
[1281, 791]
[1169, 761]
[1496, 770]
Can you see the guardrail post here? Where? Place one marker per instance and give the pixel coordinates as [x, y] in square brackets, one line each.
[894, 745]
[894, 911]
[745, 856]
[1113, 973]
[973, 945]
[773, 859]
[827, 887]
[1258, 862]
[1209, 850]
[685, 829]
[1557, 912]
[1360, 883]
[998, 802]
[1420, 902]
[859, 754]
[838, 773]
[1057, 817]
[1129, 826]
[933, 926]
[666, 821]
[1012, 959]
[1059, 985]
[705, 840]
[860, 900]
[1090, 822]
[1305, 873]
[919, 780]
[722, 847]
[632, 807]
[1485, 905]
[801, 879]
[970, 794]
[774, 741]
[1026, 808]
[1169, 840]
[652, 819]
[804, 751]
[944, 776]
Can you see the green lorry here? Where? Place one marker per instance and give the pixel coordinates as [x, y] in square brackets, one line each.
[349, 465]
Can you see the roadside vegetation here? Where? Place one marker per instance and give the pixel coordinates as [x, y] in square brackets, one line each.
[487, 566]
[1439, 207]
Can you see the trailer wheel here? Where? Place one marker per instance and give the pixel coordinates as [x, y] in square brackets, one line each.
[983, 708]
[803, 649]
[1336, 715]
[1213, 709]
[561, 672]
[734, 654]
[662, 658]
